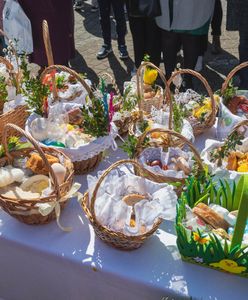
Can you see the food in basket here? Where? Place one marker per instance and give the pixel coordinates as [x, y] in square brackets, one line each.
[35, 184]
[210, 216]
[230, 155]
[195, 107]
[9, 175]
[173, 163]
[235, 100]
[37, 165]
[67, 86]
[130, 204]
[221, 241]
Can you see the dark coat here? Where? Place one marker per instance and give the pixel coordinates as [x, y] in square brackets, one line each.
[60, 18]
[237, 15]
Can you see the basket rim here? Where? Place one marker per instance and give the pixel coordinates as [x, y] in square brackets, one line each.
[121, 235]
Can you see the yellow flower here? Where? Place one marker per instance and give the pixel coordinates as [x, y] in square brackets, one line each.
[243, 167]
[150, 75]
[70, 127]
[229, 266]
[201, 240]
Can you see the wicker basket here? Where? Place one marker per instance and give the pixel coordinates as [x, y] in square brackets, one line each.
[82, 166]
[169, 142]
[49, 69]
[226, 84]
[231, 74]
[26, 210]
[210, 120]
[115, 239]
[15, 116]
[124, 123]
[157, 101]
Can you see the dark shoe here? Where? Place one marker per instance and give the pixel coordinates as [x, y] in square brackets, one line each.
[104, 52]
[216, 47]
[123, 54]
[94, 9]
[78, 6]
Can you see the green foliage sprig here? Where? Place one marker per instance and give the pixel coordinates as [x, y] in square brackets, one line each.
[177, 116]
[14, 143]
[218, 154]
[230, 92]
[95, 121]
[3, 89]
[36, 93]
[130, 145]
[129, 100]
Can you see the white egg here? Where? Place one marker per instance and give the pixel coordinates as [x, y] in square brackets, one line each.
[60, 172]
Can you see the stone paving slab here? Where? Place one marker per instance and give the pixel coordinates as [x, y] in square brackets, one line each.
[88, 41]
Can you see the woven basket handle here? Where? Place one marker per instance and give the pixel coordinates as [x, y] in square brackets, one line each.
[236, 127]
[105, 173]
[36, 146]
[140, 87]
[8, 64]
[231, 74]
[175, 134]
[47, 43]
[206, 85]
[71, 72]
[105, 75]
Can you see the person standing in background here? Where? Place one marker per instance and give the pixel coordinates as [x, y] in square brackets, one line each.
[60, 17]
[1, 26]
[121, 28]
[181, 23]
[237, 19]
[146, 37]
[216, 27]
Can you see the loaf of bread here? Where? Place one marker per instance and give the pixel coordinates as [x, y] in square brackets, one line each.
[209, 216]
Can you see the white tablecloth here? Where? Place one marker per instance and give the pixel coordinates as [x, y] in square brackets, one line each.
[43, 263]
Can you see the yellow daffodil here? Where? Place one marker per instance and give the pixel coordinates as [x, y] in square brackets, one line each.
[229, 266]
[150, 76]
[200, 239]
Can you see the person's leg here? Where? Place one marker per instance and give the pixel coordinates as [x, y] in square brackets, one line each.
[216, 27]
[203, 46]
[104, 13]
[243, 56]
[121, 27]
[191, 51]
[170, 43]
[137, 28]
[153, 41]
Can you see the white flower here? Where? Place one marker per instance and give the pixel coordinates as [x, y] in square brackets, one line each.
[198, 259]
[33, 69]
[4, 72]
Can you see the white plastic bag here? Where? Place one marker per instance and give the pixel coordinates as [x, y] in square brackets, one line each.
[17, 26]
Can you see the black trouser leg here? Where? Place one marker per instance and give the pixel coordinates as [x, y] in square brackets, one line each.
[146, 40]
[121, 27]
[104, 13]
[170, 43]
[138, 34]
[243, 56]
[191, 52]
[153, 41]
[203, 44]
[217, 18]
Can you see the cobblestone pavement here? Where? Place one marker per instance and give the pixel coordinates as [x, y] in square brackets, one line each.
[88, 41]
